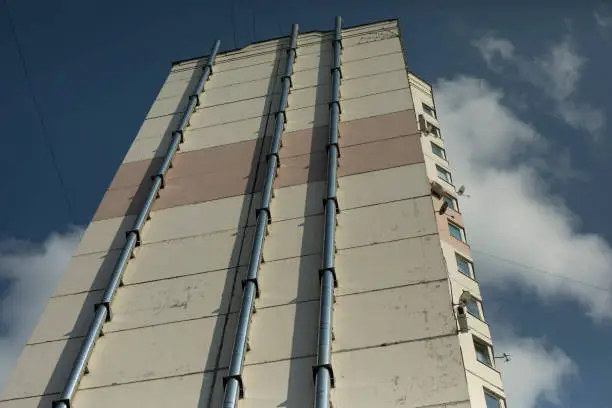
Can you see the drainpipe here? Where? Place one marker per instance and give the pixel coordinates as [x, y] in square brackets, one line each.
[103, 311]
[323, 371]
[233, 385]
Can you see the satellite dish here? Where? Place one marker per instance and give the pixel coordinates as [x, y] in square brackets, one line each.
[461, 190]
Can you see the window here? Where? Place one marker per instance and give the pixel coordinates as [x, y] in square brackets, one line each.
[482, 352]
[429, 110]
[444, 174]
[492, 400]
[451, 202]
[464, 266]
[438, 151]
[433, 130]
[456, 232]
[471, 305]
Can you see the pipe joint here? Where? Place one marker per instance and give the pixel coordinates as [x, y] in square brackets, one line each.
[61, 403]
[109, 313]
[238, 379]
[254, 281]
[333, 198]
[210, 69]
[284, 116]
[180, 134]
[336, 103]
[287, 77]
[196, 97]
[270, 156]
[332, 270]
[318, 367]
[265, 210]
[338, 69]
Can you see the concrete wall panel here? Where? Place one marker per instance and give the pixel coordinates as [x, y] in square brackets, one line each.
[294, 328]
[389, 264]
[168, 106]
[155, 352]
[34, 402]
[101, 236]
[369, 129]
[187, 391]
[292, 385]
[208, 187]
[41, 369]
[371, 49]
[374, 65]
[87, 272]
[393, 315]
[289, 280]
[313, 116]
[229, 112]
[191, 220]
[382, 186]
[381, 82]
[234, 132]
[172, 300]
[188, 256]
[301, 200]
[66, 317]
[306, 141]
[385, 222]
[378, 104]
[143, 149]
[157, 127]
[380, 155]
[295, 237]
[418, 374]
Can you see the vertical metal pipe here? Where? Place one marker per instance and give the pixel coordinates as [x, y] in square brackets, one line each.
[103, 309]
[322, 385]
[80, 363]
[117, 275]
[234, 388]
[323, 371]
[207, 68]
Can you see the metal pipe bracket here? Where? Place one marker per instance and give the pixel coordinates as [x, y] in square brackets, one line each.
[332, 269]
[237, 377]
[329, 368]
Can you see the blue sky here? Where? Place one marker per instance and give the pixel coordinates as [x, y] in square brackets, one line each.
[532, 147]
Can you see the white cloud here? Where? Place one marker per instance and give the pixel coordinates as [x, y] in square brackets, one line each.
[537, 371]
[511, 212]
[603, 15]
[490, 46]
[557, 73]
[29, 274]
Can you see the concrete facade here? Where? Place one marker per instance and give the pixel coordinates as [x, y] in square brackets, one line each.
[397, 339]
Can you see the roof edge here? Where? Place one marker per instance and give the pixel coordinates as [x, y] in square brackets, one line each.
[278, 38]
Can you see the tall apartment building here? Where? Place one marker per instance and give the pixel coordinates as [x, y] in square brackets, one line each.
[283, 232]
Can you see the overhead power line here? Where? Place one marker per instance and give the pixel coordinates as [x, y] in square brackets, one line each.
[548, 273]
[47, 140]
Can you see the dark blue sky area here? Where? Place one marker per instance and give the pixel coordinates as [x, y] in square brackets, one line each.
[96, 68]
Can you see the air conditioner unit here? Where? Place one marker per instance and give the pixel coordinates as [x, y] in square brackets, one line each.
[462, 320]
[437, 189]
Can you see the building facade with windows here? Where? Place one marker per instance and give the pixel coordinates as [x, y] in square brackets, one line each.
[283, 231]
